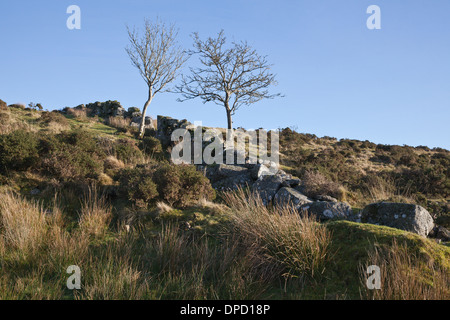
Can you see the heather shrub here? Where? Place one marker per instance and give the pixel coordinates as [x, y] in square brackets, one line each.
[150, 146]
[177, 185]
[126, 151]
[181, 185]
[18, 150]
[48, 117]
[72, 156]
[137, 185]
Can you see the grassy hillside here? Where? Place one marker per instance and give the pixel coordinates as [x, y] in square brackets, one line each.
[371, 172]
[77, 190]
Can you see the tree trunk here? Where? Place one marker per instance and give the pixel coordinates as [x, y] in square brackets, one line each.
[230, 122]
[144, 110]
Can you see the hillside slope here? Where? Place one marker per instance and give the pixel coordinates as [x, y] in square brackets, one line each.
[83, 190]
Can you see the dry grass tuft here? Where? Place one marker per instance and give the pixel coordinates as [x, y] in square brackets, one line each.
[95, 214]
[22, 224]
[79, 114]
[162, 207]
[402, 276]
[315, 183]
[118, 122]
[279, 240]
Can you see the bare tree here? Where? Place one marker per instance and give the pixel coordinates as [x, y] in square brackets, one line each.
[229, 77]
[157, 56]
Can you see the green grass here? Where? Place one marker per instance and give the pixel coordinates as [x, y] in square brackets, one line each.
[351, 243]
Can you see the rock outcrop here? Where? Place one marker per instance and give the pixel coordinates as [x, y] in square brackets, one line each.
[167, 125]
[103, 109]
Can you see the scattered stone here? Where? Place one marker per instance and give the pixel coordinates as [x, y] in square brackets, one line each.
[409, 217]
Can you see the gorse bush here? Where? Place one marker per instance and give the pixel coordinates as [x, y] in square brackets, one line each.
[18, 150]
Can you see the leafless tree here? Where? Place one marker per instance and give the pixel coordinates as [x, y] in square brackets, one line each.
[157, 56]
[229, 77]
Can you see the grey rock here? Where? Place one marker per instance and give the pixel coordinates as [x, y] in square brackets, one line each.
[291, 183]
[35, 191]
[267, 186]
[222, 171]
[289, 196]
[103, 109]
[241, 180]
[325, 210]
[325, 198]
[167, 125]
[409, 217]
[259, 170]
[439, 232]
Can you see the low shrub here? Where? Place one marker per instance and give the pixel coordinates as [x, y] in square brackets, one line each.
[137, 185]
[181, 185]
[150, 146]
[177, 185]
[18, 150]
[48, 117]
[71, 156]
[126, 151]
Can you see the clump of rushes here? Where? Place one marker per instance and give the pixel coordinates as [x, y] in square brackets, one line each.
[281, 241]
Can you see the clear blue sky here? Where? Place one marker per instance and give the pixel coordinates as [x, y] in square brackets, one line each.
[339, 78]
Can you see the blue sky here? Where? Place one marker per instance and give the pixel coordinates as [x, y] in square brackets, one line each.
[339, 78]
